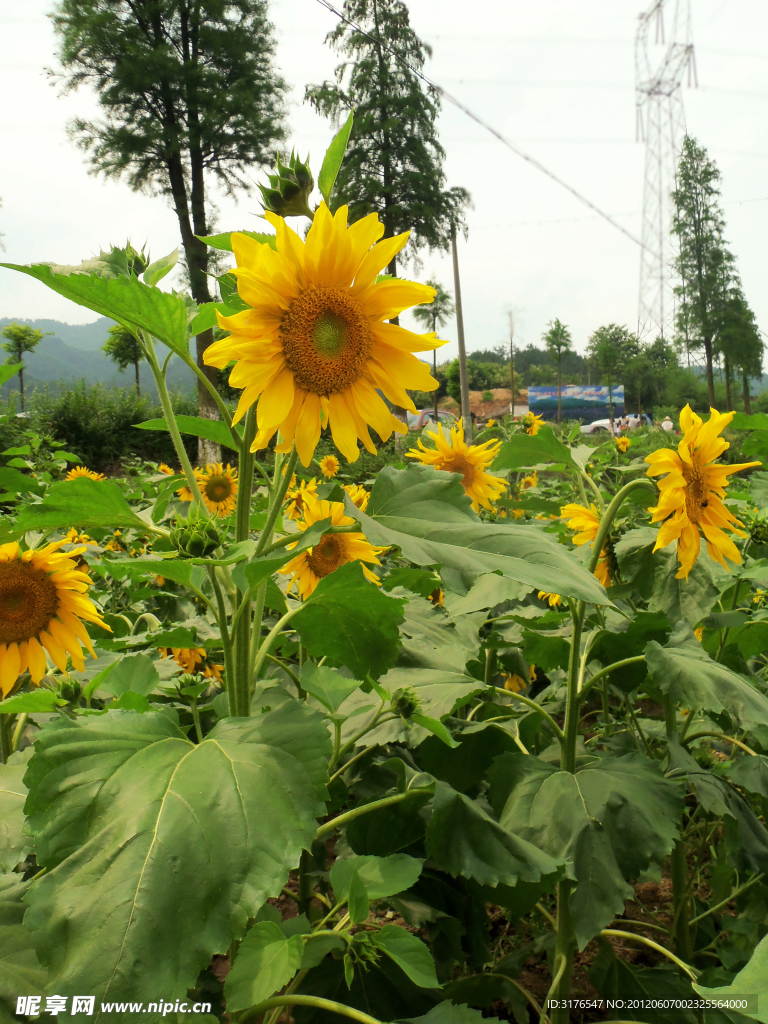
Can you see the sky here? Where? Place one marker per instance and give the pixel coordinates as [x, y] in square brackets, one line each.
[556, 77]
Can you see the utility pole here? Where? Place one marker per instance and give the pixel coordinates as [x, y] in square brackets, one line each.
[511, 315]
[465, 411]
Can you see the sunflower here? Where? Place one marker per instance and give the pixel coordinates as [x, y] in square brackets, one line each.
[218, 487]
[622, 443]
[187, 658]
[532, 423]
[530, 481]
[514, 683]
[333, 550]
[297, 497]
[43, 602]
[554, 600]
[586, 522]
[73, 537]
[115, 542]
[359, 495]
[314, 348]
[212, 671]
[454, 455]
[691, 492]
[489, 424]
[79, 471]
[329, 466]
[163, 467]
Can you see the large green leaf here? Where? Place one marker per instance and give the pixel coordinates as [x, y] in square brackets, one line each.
[8, 370]
[530, 450]
[135, 674]
[607, 822]
[159, 850]
[333, 158]
[627, 639]
[426, 514]
[14, 845]
[266, 960]
[20, 971]
[685, 671]
[14, 482]
[224, 240]
[447, 1013]
[84, 503]
[464, 840]
[125, 299]
[381, 876]
[348, 620]
[175, 569]
[410, 954]
[751, 980]
[197, 426]
[327, 685]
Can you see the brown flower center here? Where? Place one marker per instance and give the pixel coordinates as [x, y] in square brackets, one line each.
[28, 601]
[696, 491]
[460, 464]
[327, 340]
[327, 556]
[219, 488]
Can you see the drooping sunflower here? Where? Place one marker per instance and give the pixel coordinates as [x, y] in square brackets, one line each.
[43, 602]
[335, 549]
[691, 490]
[77, 471]
[532, 423]
[297, 496]
[453, 455]
[329, 466]
[623, 443]
[553, 600]
[187, 658]
[514, 683]
[586, 522]
[359, 495]
[314, 348]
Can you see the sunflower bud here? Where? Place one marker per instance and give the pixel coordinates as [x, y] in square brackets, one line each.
[70, 690]
[404, 703]
[288, 192]
[196, 536]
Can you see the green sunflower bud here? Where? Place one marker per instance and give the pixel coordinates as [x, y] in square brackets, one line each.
[404, 703]
[196, 536]
[70, 690]
[289, 190]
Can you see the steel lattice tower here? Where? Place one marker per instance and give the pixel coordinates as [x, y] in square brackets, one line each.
[661, 125]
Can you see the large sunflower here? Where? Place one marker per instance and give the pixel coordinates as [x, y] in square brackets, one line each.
[218, 487]
[43, 604]
[454, 455]
[333, 550]
[77, 471]
[691, 492]
[586, 522]
[314, 348]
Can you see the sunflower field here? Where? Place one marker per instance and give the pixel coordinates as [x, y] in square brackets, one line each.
[484, 734]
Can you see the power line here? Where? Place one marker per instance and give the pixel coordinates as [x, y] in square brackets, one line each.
[484, 124]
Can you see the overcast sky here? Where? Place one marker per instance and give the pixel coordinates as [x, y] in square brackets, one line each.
[556, 77]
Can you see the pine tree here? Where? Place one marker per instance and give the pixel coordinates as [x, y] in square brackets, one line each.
[558, 340]
[703, 263]
[188, 93]
[394, 161]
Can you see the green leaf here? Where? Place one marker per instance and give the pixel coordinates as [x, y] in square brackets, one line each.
[751, 980]
[607, 822]
[488, 591]
[266, 960]
[545, 650]
[426, 514]
[418, 581]
[463, 840]
[357, 898]
[206, 318]
[410, 954]
[14, 482]
[348, 620]
[531, 450]
[328, 686]
[318, 947]
[8, 370]
[333, 158]
[14, 845]
[20, 971]
[197, 426]
[751, 773]
[757, 421]
[125, 299]
[83, 503]
[130, 701]
[682, 600]
[435, 727]
[628, 639]
[35, 702]
[169, 846]
[156, 271]
[685, 671]
[135, 673]
[176, 569]
[381, 876]
[223, 241]
[447, 1013]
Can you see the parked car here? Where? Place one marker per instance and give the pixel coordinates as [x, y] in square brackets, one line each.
[419, 420]
[620, 423]
[598, 427]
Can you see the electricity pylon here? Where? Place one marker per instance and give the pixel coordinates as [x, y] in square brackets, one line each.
[661, 125]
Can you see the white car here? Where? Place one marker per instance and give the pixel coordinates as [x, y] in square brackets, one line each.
[600, 426]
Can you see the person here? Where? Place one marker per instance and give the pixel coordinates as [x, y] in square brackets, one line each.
[667, 424]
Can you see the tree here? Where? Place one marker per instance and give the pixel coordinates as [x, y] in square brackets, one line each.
[122, 348]
[394, 161]
[21, 338]
[188, 92]
[612, 349]
[434, 315]
[558, 341]
[703, 262]
[740, 343]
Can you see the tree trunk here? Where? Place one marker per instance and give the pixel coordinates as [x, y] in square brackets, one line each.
[138, 385]
[21, 385]
[710, 371]
[747, 400]
[728, 402]
[610, 404]
[466, 416]
[559, 389]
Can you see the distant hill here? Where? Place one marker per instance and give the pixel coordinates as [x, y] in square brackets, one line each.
[73, 352]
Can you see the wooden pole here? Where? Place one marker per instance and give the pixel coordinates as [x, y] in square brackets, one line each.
[465, 411]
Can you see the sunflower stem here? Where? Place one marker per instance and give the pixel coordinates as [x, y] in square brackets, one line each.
[18, 732]
[276, 630]
[280, 488]
[5, 739]
[241, 623]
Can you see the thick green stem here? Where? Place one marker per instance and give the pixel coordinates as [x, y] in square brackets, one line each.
[571, 732]
[280, 486]
[603, 672]
[270, 638]
[196, 720]
[5, 739]
[374, 805]
[242, 628]
[322, 1004]
[678, 867]
[18, 732]
[534, 707]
